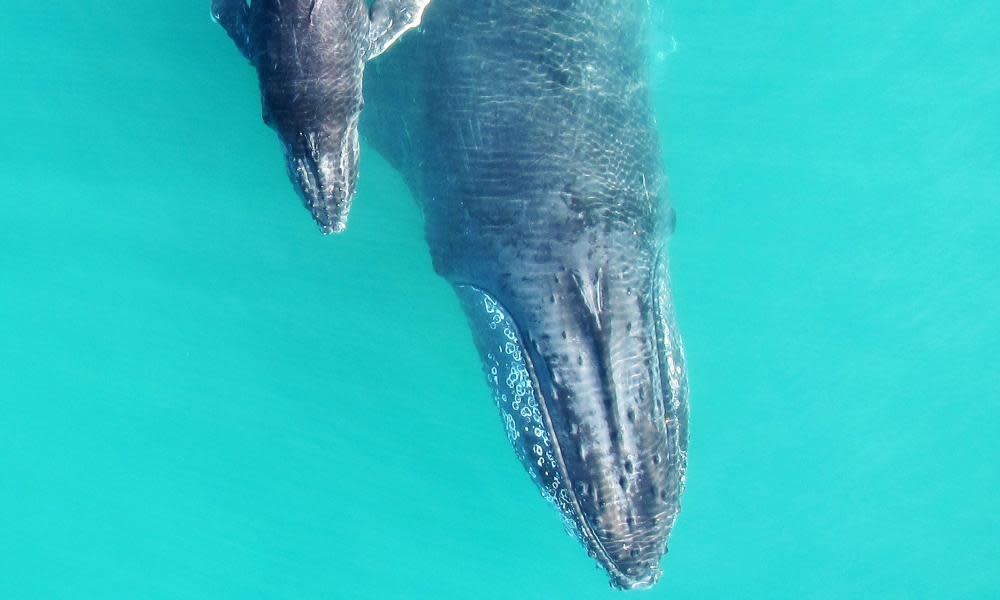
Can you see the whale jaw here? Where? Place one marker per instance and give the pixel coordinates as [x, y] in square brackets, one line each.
[594, 401]
[310, 59]
[324, 170]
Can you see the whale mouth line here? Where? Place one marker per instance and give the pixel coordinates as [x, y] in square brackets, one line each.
[535, 365]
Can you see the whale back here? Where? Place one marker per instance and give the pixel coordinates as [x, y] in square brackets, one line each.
[541, 120]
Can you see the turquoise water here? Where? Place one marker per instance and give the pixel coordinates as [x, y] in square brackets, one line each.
[201, 397]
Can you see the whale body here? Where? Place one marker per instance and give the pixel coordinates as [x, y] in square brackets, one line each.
[310, 57]
[524, 130]
[525, 133]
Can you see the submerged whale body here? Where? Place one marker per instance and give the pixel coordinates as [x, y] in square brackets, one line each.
[310, 57]
[524, 130]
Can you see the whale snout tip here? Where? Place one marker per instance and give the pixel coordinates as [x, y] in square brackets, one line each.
[633, 569]
[338, 227]
[327, 186]
[323, 167]
[630, 552]
[627, 583]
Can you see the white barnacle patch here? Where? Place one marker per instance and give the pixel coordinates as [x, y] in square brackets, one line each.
[515, 396]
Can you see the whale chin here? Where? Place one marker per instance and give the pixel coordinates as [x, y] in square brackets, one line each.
[594, 402]
[323, 168]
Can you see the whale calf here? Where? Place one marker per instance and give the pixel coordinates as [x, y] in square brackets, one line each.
[310, 57]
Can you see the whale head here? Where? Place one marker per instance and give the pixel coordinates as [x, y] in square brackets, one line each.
[586, 368]
[310, 59]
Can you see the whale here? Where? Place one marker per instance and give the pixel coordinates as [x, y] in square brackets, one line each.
[310, 57]
[524, 130]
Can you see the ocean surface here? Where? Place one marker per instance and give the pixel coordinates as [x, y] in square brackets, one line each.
[203, 397]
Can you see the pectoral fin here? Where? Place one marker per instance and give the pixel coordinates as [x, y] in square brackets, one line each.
[234, 16]
[391, 19]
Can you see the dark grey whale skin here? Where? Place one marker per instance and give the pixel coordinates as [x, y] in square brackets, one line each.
[310, 58]
[524, 130]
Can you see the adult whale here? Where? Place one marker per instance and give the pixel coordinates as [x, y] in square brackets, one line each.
[524, 130]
